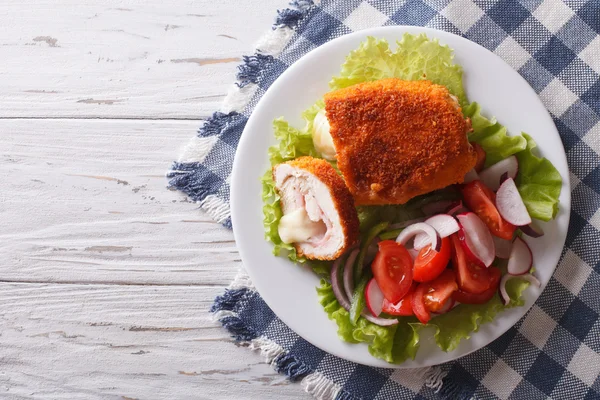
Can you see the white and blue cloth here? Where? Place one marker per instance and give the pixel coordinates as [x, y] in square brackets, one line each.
[552, 352]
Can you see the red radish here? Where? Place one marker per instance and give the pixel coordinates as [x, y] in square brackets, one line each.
[456, 208]
[528, 277]
[348, 272]
[374, 297]
[448, 305]
[532, 230]
[444, 224]
[436, 207]
[510, 204]
[420, 227]
[503, 247]
[471, 176]
[335, 284]
[491, 175]
[476, 238]
[521, 259]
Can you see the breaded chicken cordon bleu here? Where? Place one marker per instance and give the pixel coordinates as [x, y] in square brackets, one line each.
[392, 140]
[319, 215]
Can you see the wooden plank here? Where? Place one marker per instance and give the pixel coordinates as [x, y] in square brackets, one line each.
[125, 342]
[86, 201]
[154, 59]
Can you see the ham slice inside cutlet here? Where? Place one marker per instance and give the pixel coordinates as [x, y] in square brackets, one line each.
[398, 139]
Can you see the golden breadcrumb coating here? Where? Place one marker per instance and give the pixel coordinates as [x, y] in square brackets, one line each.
[341, 197]
[398, 139]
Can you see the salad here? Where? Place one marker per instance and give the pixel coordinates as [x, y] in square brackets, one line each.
[437, 253]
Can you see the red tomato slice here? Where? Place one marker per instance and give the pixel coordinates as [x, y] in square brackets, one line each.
[440, 291]
[481, 200]
[470, 277]
[484, 297]
[403, 307]
[418, 305]
[429, 264]
[480, 156]
[392, 269]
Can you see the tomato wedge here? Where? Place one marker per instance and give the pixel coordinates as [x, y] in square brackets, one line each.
[481, 200]
[432, 296]
[429, 264]
[481, 298]
[392, 269]
[402, 308]
[480, 156]
[471, 278]
[418, 305]
[440, 291]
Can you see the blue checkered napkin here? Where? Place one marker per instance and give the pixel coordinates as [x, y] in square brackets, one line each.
[554, 351]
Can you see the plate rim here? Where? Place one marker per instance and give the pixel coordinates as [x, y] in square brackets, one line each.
[565, 203]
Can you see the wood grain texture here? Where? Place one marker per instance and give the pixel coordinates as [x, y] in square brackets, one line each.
[106, 277]
[125, 59]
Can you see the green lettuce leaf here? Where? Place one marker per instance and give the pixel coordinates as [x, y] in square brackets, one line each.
[415, 58]
[539, 183]
[400, 342]
[492, 136]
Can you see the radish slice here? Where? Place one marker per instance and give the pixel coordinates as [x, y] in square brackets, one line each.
[491, 175]
[444, 224]
[348, 273]
[532, 230]
[436, 207]
[471, 176]
[420, 227]
[456, 208]
[335, 285]
[402, 225]
[521, 259]
[374, 297]
[503, 247]
[476, 238]
[379, 321]
[510, 204]
[528, 277]
[448, 305]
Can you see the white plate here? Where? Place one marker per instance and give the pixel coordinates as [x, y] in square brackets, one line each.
[290, 289]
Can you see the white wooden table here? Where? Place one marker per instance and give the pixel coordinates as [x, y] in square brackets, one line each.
[106, 277]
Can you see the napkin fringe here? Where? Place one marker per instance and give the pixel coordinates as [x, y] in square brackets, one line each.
[186, 174]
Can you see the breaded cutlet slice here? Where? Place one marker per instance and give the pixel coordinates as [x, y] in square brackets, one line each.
[313, 184]
[398, 139]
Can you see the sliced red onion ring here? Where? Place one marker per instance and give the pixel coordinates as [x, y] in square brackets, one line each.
[436, 207]
[374, 297]
[503, 247]
[476, 239]
[413, 253]
[402, 225]
[348, 273]
[444, 224]
[491, 175]
[510, 204]
[528, 277]
[420, 227]
[521, 258]
[335, 285]
[533, 230]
